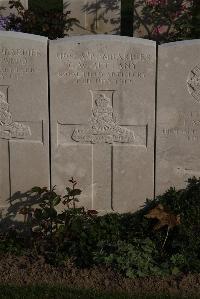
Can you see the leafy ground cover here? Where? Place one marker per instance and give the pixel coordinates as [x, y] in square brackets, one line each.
[160, 239]
[60, 241]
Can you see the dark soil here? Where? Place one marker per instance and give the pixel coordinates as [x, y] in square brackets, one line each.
[30, 270]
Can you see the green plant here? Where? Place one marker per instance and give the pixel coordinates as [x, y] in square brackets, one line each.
[52, 22]
[44, 217]
[178, 263]
[72, 193]
[11, 243]
[133, 259]
[60, 229]
[167, 20]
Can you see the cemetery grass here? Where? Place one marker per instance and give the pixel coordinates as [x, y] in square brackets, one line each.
[154, 250]
[59, 292]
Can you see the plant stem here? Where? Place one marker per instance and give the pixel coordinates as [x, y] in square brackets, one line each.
[166, 237]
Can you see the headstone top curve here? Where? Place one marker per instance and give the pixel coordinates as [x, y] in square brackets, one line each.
[183, 43]
[105, 37]
[21, 35]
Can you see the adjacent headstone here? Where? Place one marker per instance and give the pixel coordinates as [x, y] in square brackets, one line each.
[102, 119]
[6, 7]
[24, 133]
[178, 114]
[101, 16]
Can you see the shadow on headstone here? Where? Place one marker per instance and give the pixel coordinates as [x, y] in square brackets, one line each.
[105, 13]
[11, 217]
[142, 25]
[72, 21]
[101, 16]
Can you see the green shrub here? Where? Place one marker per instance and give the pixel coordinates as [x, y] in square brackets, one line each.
[128, 243]
[137, 258]
[52, 22]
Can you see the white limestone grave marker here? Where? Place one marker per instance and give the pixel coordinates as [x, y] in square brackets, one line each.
[178, 114]
[102, 119]
[24, 148]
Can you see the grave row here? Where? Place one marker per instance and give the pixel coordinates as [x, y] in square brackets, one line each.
[116, 113]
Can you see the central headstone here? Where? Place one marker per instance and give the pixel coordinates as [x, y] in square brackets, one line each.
[24, 117]
[102, 119]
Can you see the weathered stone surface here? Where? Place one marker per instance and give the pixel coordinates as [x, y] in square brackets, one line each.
[24, 144]
[102, 119]
[101, 16]
[6, 11]
[178, 114]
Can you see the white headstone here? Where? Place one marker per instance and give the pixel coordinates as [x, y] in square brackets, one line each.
[102, 119]
[178, 114]
[101, 16]
[24, 132]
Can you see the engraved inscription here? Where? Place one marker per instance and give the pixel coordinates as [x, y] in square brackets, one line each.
[17, 63]
[188, 127]
[193, 83]
[189, 172]
[104, 126]
[8, 128]
[103, 67]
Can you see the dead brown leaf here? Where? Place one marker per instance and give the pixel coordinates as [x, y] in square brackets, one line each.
[164, 217]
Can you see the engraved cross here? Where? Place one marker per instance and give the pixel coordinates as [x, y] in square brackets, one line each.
[104, 134]
[13, 131]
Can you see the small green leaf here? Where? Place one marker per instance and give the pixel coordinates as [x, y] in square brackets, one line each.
[175, 270]
[76, 199]
[56, 201]
[50, 213]
[75, 192]
[36, 189]
[68, 189]
[38, 214]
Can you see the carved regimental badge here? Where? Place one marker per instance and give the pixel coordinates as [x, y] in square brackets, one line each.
[8, 128]
[193, 83]
[103, 125]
